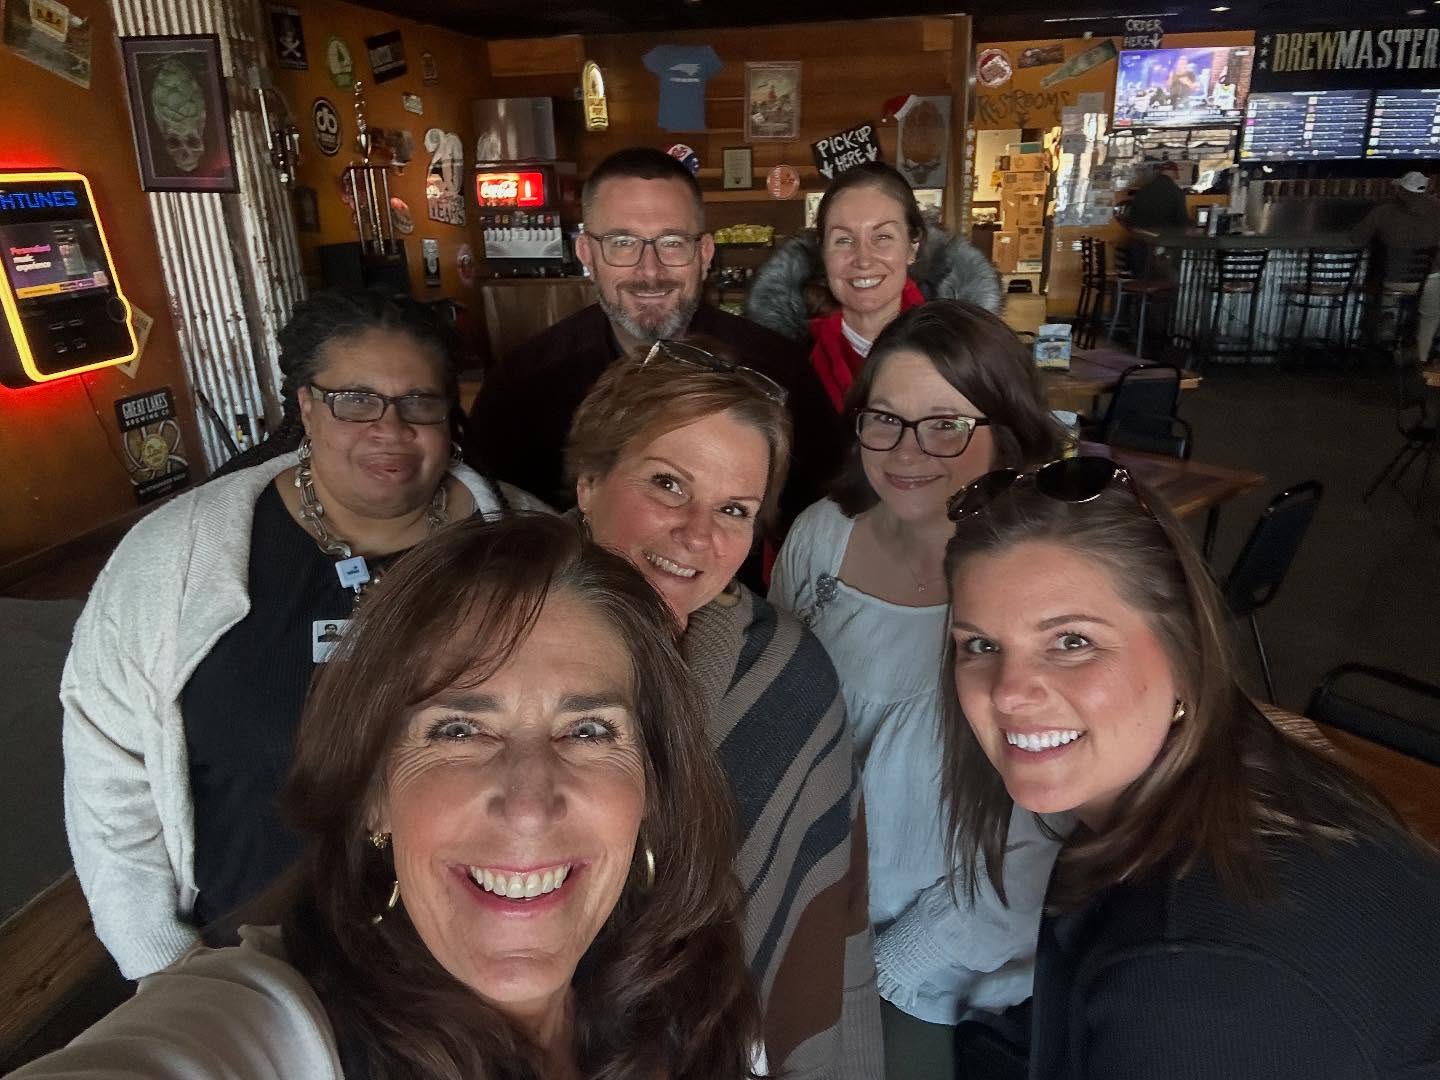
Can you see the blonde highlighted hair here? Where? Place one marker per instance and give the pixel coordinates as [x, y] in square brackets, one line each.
[634, 403]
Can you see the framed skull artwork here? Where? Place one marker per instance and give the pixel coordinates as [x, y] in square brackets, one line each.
[180, 113]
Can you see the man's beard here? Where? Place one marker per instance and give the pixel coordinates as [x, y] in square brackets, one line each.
[670, 325]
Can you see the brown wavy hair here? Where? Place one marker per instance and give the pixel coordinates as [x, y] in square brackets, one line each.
[977, 354]
[663, 990]
[631, 404]
[1226, 779]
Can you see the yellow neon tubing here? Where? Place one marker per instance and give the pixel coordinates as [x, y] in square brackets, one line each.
[12, 310]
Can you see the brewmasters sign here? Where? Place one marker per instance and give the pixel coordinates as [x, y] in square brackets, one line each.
[1339, 59]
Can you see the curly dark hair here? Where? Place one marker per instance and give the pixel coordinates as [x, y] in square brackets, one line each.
[663, 990]
[339, 313]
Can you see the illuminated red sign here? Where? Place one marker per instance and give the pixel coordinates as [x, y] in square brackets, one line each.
[510, 188]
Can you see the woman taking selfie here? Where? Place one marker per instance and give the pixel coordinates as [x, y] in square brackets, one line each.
[679, 455]
[947, 393]
[192, 658]
[520, 848]
[1235, 904]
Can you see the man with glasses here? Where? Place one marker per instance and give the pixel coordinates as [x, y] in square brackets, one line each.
[646, 247]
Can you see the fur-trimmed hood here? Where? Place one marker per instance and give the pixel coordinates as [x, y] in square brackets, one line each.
[946, 267]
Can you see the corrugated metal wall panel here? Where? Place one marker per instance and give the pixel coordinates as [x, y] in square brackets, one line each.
[231, 262]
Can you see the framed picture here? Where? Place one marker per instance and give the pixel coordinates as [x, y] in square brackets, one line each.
[179, 112]
[772, 101]
[737, 167]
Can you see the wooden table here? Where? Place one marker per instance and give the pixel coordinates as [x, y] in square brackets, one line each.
[1094, 372]
[1188, 487]
[1431, 374]
[1411, 785]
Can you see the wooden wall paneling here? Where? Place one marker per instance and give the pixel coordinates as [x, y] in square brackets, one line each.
[956, 214]
[537, 56]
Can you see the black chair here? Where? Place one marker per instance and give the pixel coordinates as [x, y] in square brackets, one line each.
[1168, 435]
[1416, 421]
[1381, 706]
[1094, 287]
[1265, 559]
[1130, 281]
[1149, 390]
[1234, 272]
[1327, 286]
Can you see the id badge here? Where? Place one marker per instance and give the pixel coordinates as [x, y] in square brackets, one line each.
[325, 636]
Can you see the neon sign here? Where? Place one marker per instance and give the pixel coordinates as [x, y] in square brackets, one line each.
[37, 200]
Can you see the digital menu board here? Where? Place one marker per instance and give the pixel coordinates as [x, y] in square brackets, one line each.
[1406, 124]
[1305, 125]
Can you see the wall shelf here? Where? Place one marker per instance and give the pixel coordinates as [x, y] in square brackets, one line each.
[750, 195]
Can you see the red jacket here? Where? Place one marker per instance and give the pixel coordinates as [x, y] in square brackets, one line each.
[835, 359]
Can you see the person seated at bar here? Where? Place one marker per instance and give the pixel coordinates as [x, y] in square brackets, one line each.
[519, 857]
[1403, 223]
[678, 456]
[869, 257]
[947, 393]
[1234, 903]
[1158, 203]
[191, 660]
[646, 247]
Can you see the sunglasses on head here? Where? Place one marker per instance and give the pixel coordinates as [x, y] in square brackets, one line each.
[682, 352]
[1071, 480]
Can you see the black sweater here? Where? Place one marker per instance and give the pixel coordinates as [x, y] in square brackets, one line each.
[520, 420]
[1335, 977]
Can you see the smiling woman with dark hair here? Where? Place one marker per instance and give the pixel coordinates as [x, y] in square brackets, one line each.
[520, 849]
[947, 393]
[1236, 903]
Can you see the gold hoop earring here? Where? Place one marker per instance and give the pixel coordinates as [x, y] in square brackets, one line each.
[379, 840]
[389, 904]
[1179, 713]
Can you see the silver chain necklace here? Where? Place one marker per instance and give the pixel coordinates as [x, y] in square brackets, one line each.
[313, 514]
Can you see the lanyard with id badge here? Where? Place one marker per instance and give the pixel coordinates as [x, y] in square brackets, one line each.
[351, 569]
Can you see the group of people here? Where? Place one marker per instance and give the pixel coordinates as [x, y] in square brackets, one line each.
[755, 702]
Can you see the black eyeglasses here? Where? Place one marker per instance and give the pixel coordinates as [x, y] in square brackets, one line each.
[939, 436]
[672, 249]
[1071, 480]
[364, 406]
[682, 352]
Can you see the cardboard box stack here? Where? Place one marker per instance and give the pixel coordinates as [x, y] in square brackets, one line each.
[1024, 179]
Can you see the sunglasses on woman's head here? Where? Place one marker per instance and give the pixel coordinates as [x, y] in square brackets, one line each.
[1071, 480]
[682, 352]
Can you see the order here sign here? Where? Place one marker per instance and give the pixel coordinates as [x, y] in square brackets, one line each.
[844, 150]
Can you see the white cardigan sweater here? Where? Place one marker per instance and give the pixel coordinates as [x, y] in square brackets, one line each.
[173, 587]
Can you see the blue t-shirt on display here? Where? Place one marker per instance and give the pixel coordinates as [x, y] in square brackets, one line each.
[682, 71]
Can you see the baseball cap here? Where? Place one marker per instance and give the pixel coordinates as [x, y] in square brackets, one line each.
[1413, 182]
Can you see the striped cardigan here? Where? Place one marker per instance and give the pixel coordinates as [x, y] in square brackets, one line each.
[778, 724]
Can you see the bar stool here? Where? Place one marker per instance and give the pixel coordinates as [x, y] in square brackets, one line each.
[1397, 281]
[1327, 285]
[1234, 272]
[1094, 286]
[1129, 283]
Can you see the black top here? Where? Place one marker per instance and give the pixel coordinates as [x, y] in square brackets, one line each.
[1158, 204]
[1336, 977]
[242, 707]
[520, 420]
